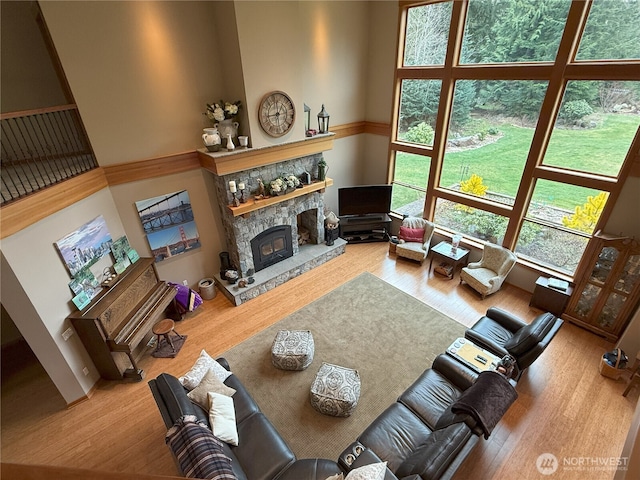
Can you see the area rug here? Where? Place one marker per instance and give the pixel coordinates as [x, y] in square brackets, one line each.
[164, 350]
[367, 324]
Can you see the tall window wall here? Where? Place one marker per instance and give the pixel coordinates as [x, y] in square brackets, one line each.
[514, 120]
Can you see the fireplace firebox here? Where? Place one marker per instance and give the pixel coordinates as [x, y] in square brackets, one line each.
[271, 246]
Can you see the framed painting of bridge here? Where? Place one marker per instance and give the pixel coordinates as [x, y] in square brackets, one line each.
[169, 224]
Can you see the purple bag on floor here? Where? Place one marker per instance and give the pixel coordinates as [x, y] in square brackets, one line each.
[186, 298]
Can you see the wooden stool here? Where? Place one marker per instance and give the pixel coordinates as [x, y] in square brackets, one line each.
[163, 329]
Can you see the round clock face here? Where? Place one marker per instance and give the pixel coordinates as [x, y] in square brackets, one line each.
[276, 113]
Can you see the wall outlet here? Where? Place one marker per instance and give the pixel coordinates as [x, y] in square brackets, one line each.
[85, 370]
[67, 333]
[185, 283]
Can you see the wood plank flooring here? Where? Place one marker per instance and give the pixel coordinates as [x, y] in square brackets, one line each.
[565, 407]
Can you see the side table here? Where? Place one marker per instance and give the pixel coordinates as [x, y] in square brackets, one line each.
[443, 250]
[550, 299]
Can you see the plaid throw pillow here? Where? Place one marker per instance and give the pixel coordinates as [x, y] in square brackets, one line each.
[198, 452]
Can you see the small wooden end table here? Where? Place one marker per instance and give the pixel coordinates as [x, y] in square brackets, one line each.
[550, 299]
[164, 328]
[444, 251]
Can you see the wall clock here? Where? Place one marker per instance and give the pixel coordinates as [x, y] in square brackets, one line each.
[276, 113]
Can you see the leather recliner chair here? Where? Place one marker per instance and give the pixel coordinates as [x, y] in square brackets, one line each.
[502, 333]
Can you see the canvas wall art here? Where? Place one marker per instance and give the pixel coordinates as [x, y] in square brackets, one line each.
[169, 224]
[85, 246]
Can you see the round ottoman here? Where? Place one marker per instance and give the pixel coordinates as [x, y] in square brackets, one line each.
[292, 350]
[335, 390]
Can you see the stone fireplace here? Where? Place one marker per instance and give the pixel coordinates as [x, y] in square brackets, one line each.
[278, 238]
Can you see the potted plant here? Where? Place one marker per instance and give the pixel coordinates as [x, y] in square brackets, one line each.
[322, 169]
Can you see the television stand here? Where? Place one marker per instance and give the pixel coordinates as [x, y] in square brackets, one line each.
[374, 227]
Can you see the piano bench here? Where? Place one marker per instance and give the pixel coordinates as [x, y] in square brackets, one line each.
[164, 328]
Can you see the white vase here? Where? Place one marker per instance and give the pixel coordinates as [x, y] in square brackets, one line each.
[226, 127]
[211, 139]
[230, 145]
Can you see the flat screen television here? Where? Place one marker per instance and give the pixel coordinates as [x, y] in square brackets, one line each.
[364, 200]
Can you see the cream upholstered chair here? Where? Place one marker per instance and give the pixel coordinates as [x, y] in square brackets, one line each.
[415, 248]
[487, 275]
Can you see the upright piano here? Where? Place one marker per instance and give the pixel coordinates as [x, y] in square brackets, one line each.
[115, 327]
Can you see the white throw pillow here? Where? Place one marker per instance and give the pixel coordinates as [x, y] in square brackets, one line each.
[222, 417]
[374, 471]
[193, 377]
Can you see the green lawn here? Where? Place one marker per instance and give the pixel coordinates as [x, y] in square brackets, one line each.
[598, 150]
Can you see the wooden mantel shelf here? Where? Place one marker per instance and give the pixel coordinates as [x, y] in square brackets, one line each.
[224, 163]
[252, 204]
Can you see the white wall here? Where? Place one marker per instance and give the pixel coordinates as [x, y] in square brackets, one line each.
[625, 218]
[630, 339]
[383, 33]
[141, 73]
[28, 77]
[36, 294]
[191, 266]
[271, 52]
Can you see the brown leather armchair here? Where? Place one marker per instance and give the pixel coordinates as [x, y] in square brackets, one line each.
[502, 333]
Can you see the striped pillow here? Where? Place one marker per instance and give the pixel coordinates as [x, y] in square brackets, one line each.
[198, 452]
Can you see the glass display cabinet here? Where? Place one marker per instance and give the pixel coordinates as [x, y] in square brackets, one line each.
[607, 285]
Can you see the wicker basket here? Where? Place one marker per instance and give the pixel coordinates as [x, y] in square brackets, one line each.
[608, 371]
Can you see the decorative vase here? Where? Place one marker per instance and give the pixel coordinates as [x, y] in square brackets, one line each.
[227, 127]
[211, 139]
[230, 145]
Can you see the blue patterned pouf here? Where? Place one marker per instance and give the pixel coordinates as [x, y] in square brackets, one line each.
[292, 350]
[335, 390]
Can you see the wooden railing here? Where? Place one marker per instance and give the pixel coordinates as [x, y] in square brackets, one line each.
[41, 148]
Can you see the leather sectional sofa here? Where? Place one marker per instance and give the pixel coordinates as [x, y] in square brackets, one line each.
[404, 435]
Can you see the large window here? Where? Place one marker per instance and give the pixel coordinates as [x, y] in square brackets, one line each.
[480, 83]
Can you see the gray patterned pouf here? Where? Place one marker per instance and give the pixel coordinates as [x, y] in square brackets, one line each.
[292, 350]
[335, 390]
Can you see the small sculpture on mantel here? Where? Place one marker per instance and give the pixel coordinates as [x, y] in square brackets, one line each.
[261, 192]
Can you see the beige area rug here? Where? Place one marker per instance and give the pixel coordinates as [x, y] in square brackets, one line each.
[367, 324]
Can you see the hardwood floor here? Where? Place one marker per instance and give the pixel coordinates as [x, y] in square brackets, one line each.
[565, 407]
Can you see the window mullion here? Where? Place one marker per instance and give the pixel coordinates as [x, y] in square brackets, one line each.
[452, 58]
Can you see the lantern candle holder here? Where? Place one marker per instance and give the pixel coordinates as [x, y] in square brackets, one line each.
[323, 121]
